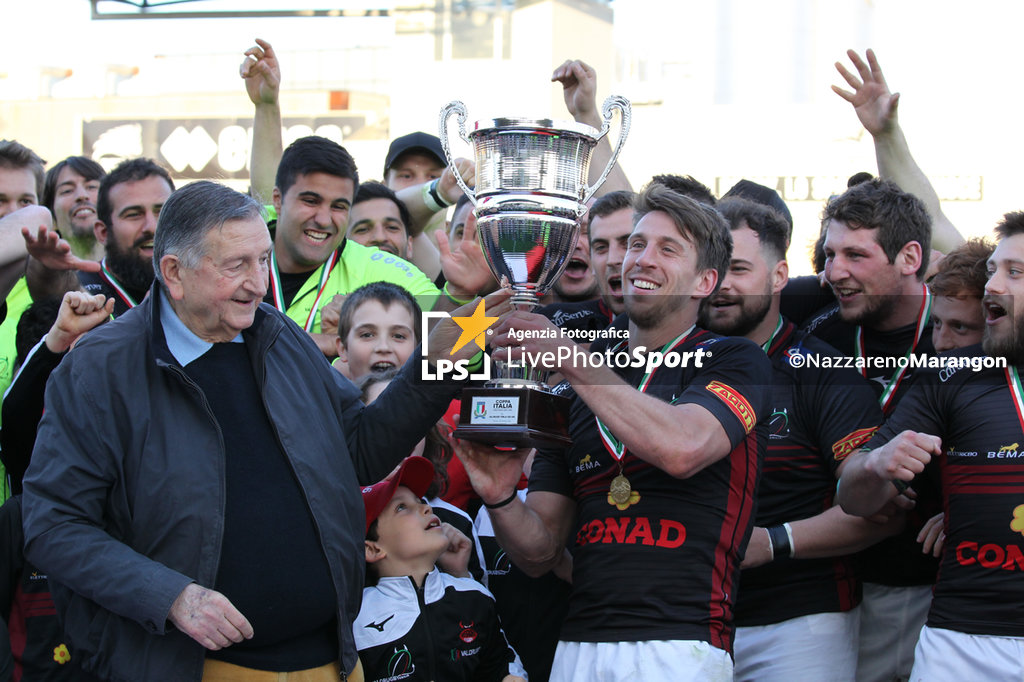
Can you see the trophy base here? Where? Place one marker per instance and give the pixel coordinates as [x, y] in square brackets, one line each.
[514, 417]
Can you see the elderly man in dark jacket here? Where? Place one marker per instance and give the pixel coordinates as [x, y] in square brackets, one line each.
[193, 490]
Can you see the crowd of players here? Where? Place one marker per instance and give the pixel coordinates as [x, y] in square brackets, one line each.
[833, 494]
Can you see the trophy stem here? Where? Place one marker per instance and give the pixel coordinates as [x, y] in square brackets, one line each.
[524, 299]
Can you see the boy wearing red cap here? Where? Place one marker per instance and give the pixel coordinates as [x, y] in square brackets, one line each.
[417, 623]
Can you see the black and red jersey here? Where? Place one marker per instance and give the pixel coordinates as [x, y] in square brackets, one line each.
[37, 643]
[579, 317]
[897, 560]
[818, 416]
[665, 565]
[896, 343]
[980, 588]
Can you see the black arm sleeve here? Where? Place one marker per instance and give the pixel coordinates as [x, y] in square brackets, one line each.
[22, 410]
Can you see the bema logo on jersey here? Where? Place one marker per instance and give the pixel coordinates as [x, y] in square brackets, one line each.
[475, 329]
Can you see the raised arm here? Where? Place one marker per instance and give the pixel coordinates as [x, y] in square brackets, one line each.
[262, 75]
[23, 403]
[876, 108]
[465, 269]
[579, 87]
[421, 200]
[52, 267]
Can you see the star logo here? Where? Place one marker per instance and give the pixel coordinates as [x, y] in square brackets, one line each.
[473, 328]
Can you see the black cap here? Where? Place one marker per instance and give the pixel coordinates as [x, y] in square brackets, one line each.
[424, 142]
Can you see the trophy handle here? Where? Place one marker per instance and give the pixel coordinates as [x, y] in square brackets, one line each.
[456, 107]
[613, 102]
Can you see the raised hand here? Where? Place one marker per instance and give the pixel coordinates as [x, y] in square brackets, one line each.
[262, 73]
[79, 312]
[449, 187]
[465, 269]
[871, 99]
[579, 88]
[47, 247]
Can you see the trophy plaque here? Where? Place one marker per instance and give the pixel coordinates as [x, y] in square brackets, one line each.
[531, 193]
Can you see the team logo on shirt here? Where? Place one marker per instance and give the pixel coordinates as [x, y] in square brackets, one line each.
[400, 666]
[844, 446]
[736, 403]
[502, 564]
[467, 634]
[778, 424]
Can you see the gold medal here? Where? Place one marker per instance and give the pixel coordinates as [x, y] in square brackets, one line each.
[620, 489]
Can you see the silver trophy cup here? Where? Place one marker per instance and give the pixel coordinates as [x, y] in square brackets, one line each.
[531, 192]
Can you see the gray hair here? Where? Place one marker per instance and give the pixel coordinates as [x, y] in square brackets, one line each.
[189, 214]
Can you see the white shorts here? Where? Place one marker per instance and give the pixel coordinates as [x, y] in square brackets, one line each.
[890, 620]
[653, 661]
[819, 646]
[947, 655]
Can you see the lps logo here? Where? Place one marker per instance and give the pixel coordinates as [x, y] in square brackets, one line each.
[475, 329]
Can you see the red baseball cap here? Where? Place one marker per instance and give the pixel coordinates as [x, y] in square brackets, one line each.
[415, 473]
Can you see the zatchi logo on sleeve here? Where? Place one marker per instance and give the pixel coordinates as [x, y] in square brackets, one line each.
[736, 403]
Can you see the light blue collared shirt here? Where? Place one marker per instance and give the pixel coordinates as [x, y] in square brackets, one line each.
[184, 345]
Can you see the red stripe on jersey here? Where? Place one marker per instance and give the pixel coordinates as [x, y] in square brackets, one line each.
[987, 490]
[983, 479]
[738, 511]
[18, 630]
[984, 468]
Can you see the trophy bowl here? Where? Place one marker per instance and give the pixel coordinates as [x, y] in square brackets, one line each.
[531, 193]
[527, 248]
[539, 156]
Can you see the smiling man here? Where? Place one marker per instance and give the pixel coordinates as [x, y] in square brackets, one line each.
[877, 244]
[71, 192]
[796, 613]
[172, 456]
[128, 205]
[660, 476]
[958, 318]
[962, 429]
[379, 218]
[312, 260]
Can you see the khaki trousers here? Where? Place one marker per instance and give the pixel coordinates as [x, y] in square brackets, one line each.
[219, 671]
